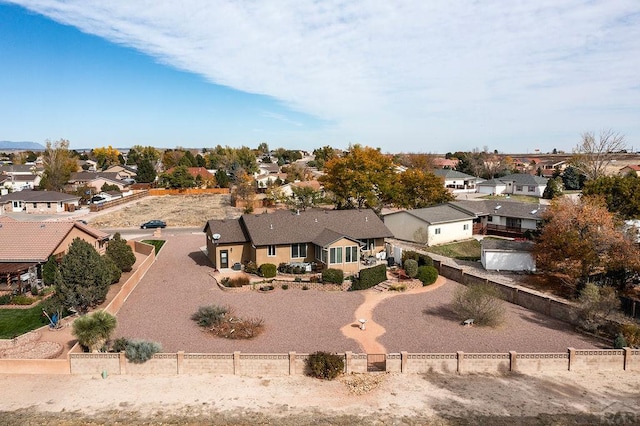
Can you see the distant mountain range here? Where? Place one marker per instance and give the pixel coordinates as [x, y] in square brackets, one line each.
[33, 146]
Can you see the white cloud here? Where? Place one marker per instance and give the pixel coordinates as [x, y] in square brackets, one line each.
[430, 74]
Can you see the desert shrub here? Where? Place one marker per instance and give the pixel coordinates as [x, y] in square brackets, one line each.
[314, 278]
[411, 267]
[334, 276]
[427, 274]
[480, 302]
[596, 304]
[94, 329]
[139, 351]
[283, 268]
[235, 282]
[631, 333]
[208, 316]
[324, 365]
[5, 299]
[397, 287]
[422, 259]
[267, 270]
[120, 344]
[266, 288]
[250, 267]
[369, 277]
[305, 287]
[298, 279]
[285, 286]
[22, 299]
[619, 342]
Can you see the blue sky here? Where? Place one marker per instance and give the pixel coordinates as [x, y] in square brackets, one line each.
[404, 76]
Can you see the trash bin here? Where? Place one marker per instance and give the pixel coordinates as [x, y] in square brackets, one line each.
[391, 261]
[237, 266]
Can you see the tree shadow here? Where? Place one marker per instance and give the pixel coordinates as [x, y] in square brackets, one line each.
[442, 311]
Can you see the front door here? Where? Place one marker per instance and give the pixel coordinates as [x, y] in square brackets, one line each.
[224, 259]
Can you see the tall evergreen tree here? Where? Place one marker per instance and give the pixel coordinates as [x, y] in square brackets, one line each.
[121, 253]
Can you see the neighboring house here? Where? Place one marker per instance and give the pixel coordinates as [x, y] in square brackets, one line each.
[445, 163]
[549, 167]
[266, 180]
[329, 238]
[441, 224]
[127, 172]
[19, 169]
[96, 180]
[501, 217]
[514, 184]
[457, 181]
[267, 169]
[507, 255]
[30, 201]
[287, 189]
[88, 165]
[631, 169]
[27, 245]
[20, 182]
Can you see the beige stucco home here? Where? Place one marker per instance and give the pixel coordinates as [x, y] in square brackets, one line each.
[45, 202]
[327, 238]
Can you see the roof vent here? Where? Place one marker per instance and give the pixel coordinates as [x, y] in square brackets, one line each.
[271, 226]
[534, 211]
[316, 220]
[498, 207]
[366, 218]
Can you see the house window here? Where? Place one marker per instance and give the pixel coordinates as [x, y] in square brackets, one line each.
[465, 226]
[351, 254]
[298, 250]
[335, 255]
[34, 205]
[48, 205]
[369, 244]
[271, 250]
[532, 189]
[489, 218]
[518, 187]
[437, 231]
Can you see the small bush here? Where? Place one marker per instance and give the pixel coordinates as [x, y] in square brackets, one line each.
[266, 288]
[369, 277]
[480, 302]
[139, 351]
[631, 333]
[422, 259]
[620, 342]
[298, 279]
[285, 286]
[305, 287]
[267, 270]
[208, 316]
[235, 282]
[34, 290]
[411, 267]
[5, 299]
[314, 279]
[397, 287]
[120, 344]
[22, 300]
[251, 268]
[427, 274]
[324, 365]
[333, 276]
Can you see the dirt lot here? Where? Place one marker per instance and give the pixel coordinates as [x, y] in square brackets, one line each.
[176, 210]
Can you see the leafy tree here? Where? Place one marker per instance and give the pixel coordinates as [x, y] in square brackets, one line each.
[83, 279]
[296, 172]
[245, 190]
[58, 165]
[171, 158]
[121, 253]
[94, 329]
[572, 179]
[580, 238]
[553, 189]
[304, 197]
[146, 173]
[138, 152]
[188, 159]
[418, 189]
[222, 179]
[621, 194]
[263, 148]
[363, 178]
[322, 155]
[178, 178]
[594, 154]
[106, 187]
[200, 161]
[49, 271]
[596, 305]
[286, 156]
[106, 157]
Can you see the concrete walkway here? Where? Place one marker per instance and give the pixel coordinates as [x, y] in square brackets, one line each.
[368, 338]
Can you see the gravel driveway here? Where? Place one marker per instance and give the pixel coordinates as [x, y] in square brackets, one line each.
[306, 321]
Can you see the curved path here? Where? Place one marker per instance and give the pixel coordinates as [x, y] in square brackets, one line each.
[368, 338]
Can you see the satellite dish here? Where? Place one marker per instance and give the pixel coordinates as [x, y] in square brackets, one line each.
[216, 236]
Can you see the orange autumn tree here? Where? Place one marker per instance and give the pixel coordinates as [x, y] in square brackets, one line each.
[581, 238]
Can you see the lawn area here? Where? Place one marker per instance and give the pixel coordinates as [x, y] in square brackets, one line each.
[155, 243]
[464, 250]
[14, 322]
[519, 198]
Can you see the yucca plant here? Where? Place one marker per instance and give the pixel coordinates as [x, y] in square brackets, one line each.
[94, 329]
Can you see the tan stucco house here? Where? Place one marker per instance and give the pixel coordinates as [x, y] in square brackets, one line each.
[328, 238]
[45, 202]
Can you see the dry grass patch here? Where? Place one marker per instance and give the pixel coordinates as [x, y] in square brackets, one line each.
[359, 384]
[222, 322]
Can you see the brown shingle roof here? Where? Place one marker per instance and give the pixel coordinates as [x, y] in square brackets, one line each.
[36, 241]
[32, 196]
[230, 230]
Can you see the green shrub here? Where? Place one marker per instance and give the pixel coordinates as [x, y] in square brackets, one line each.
[369, 277]
[121, 253]
[267, 270]
[22, 299]
[480, 302]
[139, 351]
[208, 316]
[422, 259]
[324, 365]
[49, 271]
[411, 267]
[34, 290]
[114, 270]
[333, 276]
[120, 344]
[427, 274]
[235, 282]
[631, 333]
[94, 329]
[305, 287]
[5, 299]
[397, 287]
[620, 342]
[298, 279]
[285, 286]
[250, 267]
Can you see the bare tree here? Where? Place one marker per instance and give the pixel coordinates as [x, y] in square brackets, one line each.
[593, 155]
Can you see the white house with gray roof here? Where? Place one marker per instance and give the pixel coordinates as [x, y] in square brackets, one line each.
[441, 224]
[502, 217]
[457, 182]
[514, 184]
